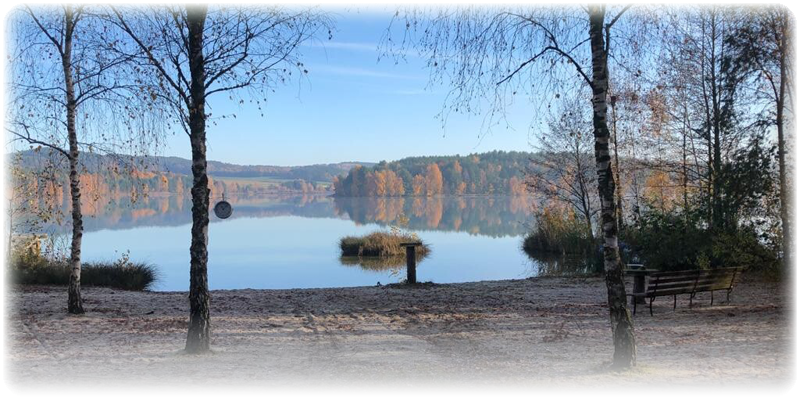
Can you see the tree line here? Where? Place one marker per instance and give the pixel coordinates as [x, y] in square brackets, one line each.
[496, 172]
[47, 195]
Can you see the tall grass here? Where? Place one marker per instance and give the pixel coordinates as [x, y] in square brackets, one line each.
[558, 233]
[380, 244]
[31, 268]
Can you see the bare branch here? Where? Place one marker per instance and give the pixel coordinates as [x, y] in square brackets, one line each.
[30, 139]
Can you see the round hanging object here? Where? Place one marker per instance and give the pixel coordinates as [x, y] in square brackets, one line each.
[223, 209]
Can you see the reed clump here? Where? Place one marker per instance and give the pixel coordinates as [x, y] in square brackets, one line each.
[380, 244]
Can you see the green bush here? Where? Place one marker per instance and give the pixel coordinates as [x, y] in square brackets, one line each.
[677, 241]
[29, 268]
[668, 241]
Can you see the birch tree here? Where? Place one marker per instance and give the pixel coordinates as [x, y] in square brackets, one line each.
[490, 56]
[193, 53]
[65, 93]
[563, 169]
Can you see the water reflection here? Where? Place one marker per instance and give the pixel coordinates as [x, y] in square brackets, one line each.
[394, 263]
[564, 265]
[173, 210]
[494, 216]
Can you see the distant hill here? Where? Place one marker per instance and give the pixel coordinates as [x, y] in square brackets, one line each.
[318, 173]
[495, 172]
[115, 176]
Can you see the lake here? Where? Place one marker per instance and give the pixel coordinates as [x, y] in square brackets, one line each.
[279, 242]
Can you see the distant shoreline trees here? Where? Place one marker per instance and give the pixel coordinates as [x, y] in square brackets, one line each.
[496, 172]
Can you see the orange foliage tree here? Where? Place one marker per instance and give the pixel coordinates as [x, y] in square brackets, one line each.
[433, 180]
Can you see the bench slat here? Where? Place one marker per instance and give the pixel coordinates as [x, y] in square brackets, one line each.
[668, 292]
[691, 279]
[672, 286]
[706, 288]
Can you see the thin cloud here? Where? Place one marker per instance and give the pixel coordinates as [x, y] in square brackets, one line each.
[360, 47]
[352, 46]
[362, 72]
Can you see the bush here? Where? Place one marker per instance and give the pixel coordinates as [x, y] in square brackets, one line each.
[678, 241]
[668, 241]
[28, 268]
[380, 244]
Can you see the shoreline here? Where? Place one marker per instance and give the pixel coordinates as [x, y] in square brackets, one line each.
[392, 285]
[538, 331]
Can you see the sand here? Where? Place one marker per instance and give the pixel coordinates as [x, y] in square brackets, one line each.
[541, 332]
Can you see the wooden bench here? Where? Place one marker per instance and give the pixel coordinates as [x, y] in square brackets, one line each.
[688, 282]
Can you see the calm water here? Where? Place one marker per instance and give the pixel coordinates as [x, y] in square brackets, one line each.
[291, 242]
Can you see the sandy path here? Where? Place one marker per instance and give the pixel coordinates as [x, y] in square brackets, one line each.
[539, 331]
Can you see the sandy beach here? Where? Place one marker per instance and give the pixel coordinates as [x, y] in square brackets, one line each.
[544, 331]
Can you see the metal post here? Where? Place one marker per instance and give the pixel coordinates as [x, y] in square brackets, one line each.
[411, 264]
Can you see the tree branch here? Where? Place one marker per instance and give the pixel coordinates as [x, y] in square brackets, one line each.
[46, 33]
[150, 56]
[27, 137]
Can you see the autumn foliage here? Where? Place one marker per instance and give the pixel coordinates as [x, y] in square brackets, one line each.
[495, 172]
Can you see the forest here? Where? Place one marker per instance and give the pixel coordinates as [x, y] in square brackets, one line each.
[496, 172]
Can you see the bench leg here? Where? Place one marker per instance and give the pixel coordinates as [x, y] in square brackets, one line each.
[651, 305]
[691, 297]
[674, 301]
[712, 297]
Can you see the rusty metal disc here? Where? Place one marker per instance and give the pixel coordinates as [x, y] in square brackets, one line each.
[223, 209]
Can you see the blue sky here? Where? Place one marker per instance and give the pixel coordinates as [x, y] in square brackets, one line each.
[352, 108]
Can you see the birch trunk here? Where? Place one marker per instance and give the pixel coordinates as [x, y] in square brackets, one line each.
[783, 21]
[621, 322]
[198, 339]
[620, 214]
[74, 301]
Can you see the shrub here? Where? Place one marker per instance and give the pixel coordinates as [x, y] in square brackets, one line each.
[668, 241]
[677, 241]
[29, 268]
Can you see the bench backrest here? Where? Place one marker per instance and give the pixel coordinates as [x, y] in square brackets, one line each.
[673, 282]
[720, 279]
[691, 281]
